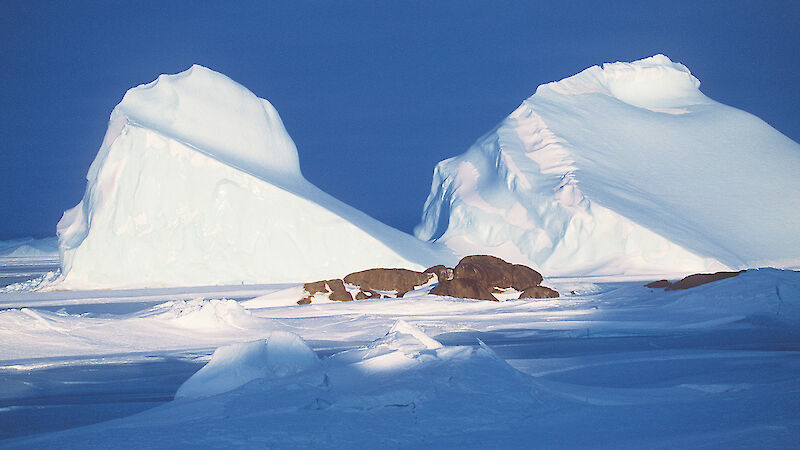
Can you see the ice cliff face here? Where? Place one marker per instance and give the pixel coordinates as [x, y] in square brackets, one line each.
[624, 168]
[196, 183]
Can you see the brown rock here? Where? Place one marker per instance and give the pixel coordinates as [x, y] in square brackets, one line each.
[365, 294]
[304, 301]
[442, 272]
[335, 287]
[523, 277]
[658, 284]
[315, 287]
[487, 270]
[494, 272]
[400, 280]
[701, 278]
[539, 292]
[463, 288]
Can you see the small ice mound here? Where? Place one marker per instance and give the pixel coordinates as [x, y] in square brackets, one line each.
[283, 297]
[201, 314]
[406, 338]
[282, 354]
[406, 367]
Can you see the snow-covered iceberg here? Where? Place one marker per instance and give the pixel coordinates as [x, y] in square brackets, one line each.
[197, 182]
[624, 168]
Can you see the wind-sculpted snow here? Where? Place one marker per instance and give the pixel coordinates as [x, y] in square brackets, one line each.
[613, 363]
[627, 168]
[280, 355]
[198, 183]
[207, 315]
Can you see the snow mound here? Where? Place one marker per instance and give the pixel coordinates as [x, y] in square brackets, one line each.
[282, 354]
[402, 369]
[197, 182]
[282, 297]
[201, 314]
[406, 338]
[624, 169]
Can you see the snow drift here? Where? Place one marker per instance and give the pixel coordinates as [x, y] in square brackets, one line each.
[197, 182]
[282, 354]
[624, 168]
[405, 368]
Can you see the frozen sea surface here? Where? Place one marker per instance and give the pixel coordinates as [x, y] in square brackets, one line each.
[613, 365]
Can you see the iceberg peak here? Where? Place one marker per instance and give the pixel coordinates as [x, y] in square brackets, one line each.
[651, 83]
[212, 113]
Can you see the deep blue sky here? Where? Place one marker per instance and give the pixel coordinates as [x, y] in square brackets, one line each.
[373, 93]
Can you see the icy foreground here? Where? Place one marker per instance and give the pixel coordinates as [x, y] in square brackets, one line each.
[198, 183]
[624, 168]
[610, 365]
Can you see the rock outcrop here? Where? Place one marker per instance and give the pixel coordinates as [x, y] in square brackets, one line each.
[699, 279]
[497, 273]
[464, 288]
[475, 277]
[399, 280]
[478, 276]
[691, 281]
[442, 273]
[335, 287]
[539, 292]
[658, 284]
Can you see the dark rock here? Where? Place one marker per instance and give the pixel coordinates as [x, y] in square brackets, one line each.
[335, 287]
[316, 287]
[400, 280]
[304, 301]
[658, 284]
[523, 277]
[463, 288]
[365, 294]
[539, 292]
[494, 272]
[701, 278]
[488, 270]
[442, 272]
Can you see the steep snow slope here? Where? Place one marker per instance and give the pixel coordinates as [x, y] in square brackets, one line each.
[197, 182]
[624, 168]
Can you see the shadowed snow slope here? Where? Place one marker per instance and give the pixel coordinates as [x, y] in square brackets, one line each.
[625, 168]
[403, 390]
[281, 354]
[198, 183]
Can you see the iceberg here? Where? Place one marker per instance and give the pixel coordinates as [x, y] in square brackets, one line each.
[622, 169]
[197, 182]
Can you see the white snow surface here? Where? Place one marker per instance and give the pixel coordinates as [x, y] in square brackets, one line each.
[281, 354]
[607, 364]
[622, 169]
[197, 182]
